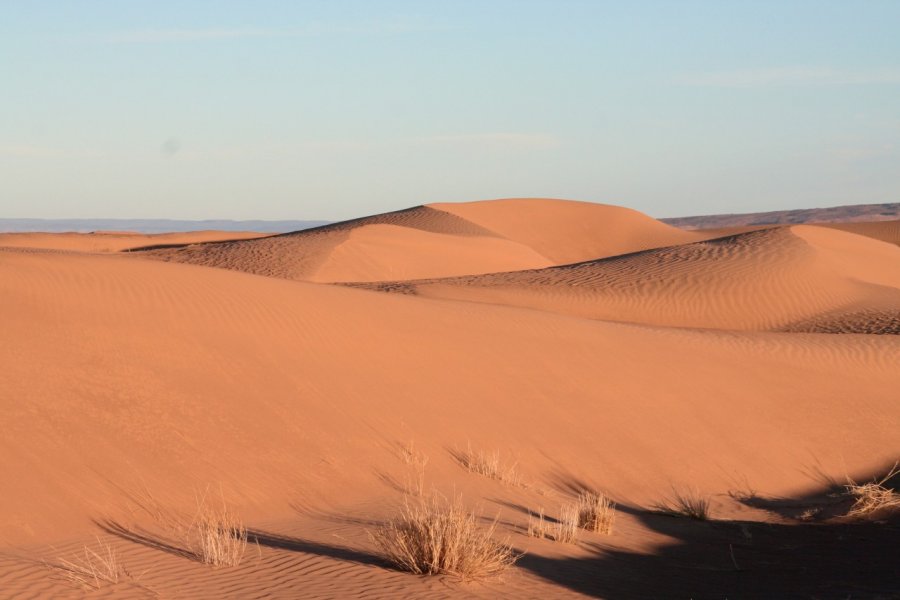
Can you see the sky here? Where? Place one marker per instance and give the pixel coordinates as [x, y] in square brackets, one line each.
[337, 109]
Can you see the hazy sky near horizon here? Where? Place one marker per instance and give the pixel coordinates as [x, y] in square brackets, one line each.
[306, 110]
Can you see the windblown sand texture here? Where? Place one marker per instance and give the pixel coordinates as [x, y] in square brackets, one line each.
[593, 347]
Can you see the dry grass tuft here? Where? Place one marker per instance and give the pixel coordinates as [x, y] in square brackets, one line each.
[212, 535]
[410, 456]
[91, 569]
[489, 465]
[564, 530]
[538, 527]
[686, 504]
[873, 496]
[417, 461]
[567, 526]
[436, 536]
[596, 512]
[219, 537]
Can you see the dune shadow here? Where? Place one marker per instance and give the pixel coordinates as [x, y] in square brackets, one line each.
[826, 501]
[294, 544]
[334, 517]
[791, 557]
[737, 560]
[263, 538]
[146, 538]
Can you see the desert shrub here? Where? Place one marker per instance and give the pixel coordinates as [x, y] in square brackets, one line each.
[489, 465]
[873, 496]
[596, 512]
[90, 568]
[564, 529]
[435, 536]
[685, 504]
[218, 536]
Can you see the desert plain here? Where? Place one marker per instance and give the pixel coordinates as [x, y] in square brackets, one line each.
[510, 355]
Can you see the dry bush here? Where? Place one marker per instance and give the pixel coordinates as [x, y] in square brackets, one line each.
[873, 496]
[91, 568]
[489, 465]
[436, 536]
[217, 537]
[685, 504]
[212, 535]
[567, 526]
[596, 512]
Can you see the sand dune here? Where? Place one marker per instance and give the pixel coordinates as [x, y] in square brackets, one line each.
[126, 378]
[886, 231]
[441, 240]
[262, 364]
[767, 279]
[115, 241]
[566, 231]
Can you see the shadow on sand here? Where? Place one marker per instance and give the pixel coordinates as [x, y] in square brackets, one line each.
[834, 558]
[827, 558]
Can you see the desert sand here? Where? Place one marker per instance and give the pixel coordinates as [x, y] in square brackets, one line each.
[316, 381]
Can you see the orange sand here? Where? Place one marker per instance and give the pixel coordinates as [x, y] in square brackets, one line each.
[664, 367]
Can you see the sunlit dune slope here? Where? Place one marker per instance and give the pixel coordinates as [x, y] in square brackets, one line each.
[567, 231]
[123, 374]
[886, 231]
[114, 241]
[441, 240]
[761, 280]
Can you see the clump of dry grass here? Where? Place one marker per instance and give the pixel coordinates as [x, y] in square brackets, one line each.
[436, 536]
[567, 526]
[217, 536]
[538, 526]
[213, 534]
[685, 504]
[596, 512]
[564, 529]
[410, 456]
[873, 496]
[489, 464]
[91, 569]
[415, 480]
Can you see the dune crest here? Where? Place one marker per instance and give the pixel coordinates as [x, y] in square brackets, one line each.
[567, 231]
[441, 240]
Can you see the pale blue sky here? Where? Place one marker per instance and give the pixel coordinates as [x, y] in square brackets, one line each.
[293, 110]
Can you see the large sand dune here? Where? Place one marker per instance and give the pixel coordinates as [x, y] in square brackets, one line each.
[125, 378]
[767, 279]
[441, 240]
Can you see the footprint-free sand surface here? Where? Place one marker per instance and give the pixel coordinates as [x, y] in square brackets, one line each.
[591, 346]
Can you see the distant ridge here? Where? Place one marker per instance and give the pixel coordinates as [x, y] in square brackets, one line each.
[835, 214]
[152, 225]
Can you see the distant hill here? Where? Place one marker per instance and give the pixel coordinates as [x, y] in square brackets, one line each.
[152, 225]
[835, 214]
